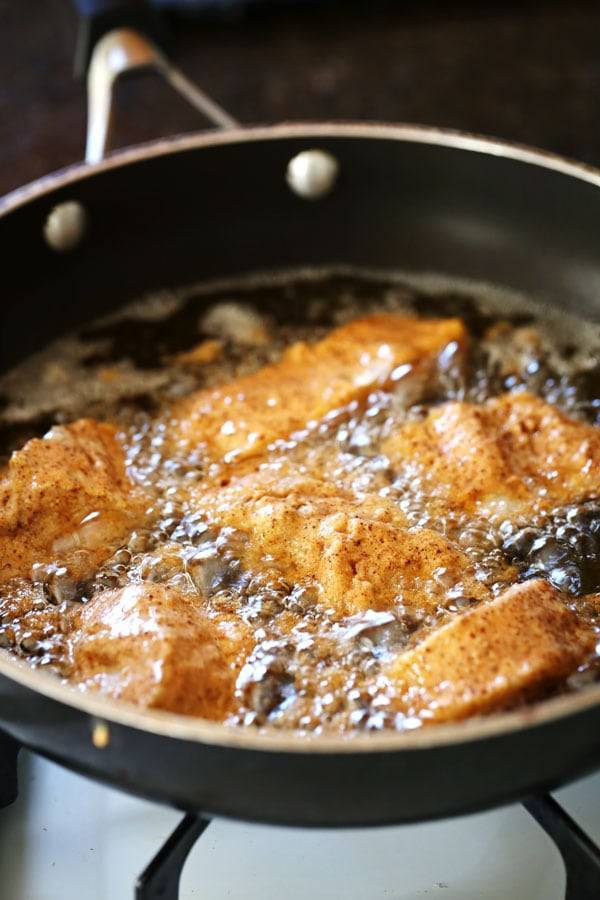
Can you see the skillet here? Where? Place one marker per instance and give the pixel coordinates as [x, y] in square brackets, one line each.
[85, 240]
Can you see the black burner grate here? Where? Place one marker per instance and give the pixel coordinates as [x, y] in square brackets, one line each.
[9, 750]
[579, 854]
[160, 880]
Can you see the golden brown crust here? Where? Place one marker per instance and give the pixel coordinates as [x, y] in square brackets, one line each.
[55, 483]
[154, 646]
[511, 456]
[493, 656]
[357, 551]
[241, 418]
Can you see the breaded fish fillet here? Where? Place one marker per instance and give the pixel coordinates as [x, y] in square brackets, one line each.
[358, 551]
[66, 497]
[240, 419]
[503, 651]
[514, 455]
[151, 645]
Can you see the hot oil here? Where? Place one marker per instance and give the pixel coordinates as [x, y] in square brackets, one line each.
[308, 669]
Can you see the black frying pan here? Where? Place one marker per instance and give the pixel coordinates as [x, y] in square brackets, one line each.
[210, 205]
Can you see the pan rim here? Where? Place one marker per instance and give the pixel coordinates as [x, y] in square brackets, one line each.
[403, 133]
[202, 731]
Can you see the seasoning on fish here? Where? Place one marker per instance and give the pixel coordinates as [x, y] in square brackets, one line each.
[358, 552]
[67, 498]
[511, 456]
[242, 417]
[151, 645]
[491, 657]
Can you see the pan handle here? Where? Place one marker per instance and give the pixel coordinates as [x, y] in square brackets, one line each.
[124, 50]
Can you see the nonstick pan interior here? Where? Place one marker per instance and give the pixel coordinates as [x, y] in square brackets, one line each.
[216, 206]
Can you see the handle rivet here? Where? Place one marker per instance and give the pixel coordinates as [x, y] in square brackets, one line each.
[65, 226]
[100, 734]
[312, 173]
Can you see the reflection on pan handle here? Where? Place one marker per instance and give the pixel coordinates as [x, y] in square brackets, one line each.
[124, 50]
[97, 17]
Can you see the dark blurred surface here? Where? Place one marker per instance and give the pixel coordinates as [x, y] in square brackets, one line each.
[526, 72]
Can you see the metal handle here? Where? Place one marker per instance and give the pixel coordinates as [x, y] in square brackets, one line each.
[124, 50]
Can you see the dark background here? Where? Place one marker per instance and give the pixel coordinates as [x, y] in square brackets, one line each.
[526, 72]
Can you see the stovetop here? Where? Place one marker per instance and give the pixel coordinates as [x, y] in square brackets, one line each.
[67, 838]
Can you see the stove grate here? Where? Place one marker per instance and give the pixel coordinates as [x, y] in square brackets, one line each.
[581, 857]
[160, 879]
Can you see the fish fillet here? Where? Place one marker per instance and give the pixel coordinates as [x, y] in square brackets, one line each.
[357, 551]
[511, 456]
[66, 497]
[151, 645]
[503, 651]
[241, 418]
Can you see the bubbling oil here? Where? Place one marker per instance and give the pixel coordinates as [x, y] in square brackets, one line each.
[308, 669]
